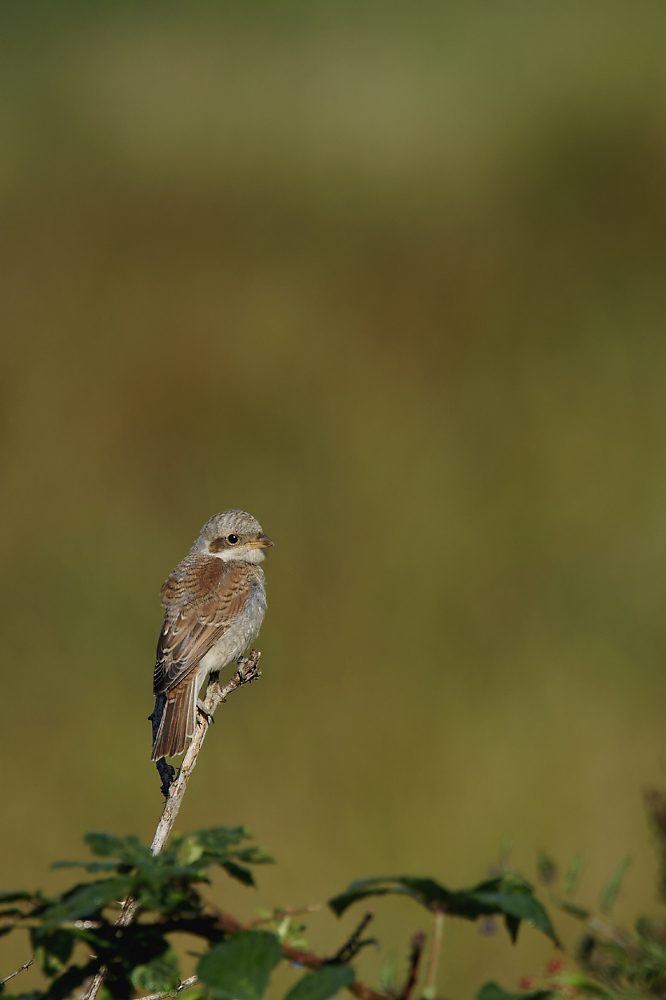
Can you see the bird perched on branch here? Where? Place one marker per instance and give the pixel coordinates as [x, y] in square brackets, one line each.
[215, 602]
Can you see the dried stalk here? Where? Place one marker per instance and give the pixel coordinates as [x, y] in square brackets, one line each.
[430, 985]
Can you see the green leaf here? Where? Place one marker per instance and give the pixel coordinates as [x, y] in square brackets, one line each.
[72, 977]
[219, 846]
[215, 842]
[87, 900]
[129, 849]
[507, 894]
[521, 905]
[610, 891]
[89, 866]
[512, 926]
[53, 949]
[579, 912]
[239, 872]
[254, 855]
[425, 891]
[491, 991]
[322, 983]
[189, 851]
[546, 868]
[160, 975]
[239, 969]
[218, 838]
[573, 874]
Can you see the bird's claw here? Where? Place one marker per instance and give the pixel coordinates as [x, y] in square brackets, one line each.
[204, 711]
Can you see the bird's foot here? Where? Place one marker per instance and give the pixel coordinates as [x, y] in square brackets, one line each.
[213, 687]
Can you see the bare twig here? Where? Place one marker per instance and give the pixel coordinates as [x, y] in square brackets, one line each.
[25, 966]
[430, 985]
[247, 671]
[418, 943]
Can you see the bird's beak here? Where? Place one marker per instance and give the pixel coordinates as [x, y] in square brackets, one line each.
[261, 542]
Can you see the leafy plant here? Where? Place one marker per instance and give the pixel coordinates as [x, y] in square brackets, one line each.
[138, 958]
[87, 937]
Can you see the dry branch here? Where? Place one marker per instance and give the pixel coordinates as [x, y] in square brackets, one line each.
[430, 985]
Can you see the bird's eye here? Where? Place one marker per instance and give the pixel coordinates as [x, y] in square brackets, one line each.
[232, 539]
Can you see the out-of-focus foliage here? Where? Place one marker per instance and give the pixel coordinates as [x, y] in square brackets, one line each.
[610, 962]
[240, 960]
[390, 277]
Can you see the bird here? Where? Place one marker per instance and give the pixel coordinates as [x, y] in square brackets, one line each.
[215, 601]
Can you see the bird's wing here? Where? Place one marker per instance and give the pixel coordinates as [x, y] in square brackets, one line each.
[201, 598]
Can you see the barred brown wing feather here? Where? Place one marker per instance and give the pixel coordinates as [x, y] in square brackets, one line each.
[189, 631]
[180, 649]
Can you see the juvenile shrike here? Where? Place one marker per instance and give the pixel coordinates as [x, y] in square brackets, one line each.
[215, 601]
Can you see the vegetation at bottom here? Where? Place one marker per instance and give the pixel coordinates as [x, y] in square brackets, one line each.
[74, 935]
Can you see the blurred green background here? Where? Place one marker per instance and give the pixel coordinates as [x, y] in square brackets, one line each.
[391, 278]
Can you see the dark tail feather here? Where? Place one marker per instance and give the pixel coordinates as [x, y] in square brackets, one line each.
[177, 720]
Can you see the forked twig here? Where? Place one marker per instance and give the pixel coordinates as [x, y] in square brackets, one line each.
[247, 671]
[351, 947]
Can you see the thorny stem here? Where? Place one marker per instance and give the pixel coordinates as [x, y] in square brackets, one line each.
[247, 671]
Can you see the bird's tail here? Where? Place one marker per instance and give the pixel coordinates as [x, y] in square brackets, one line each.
[178, 719]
